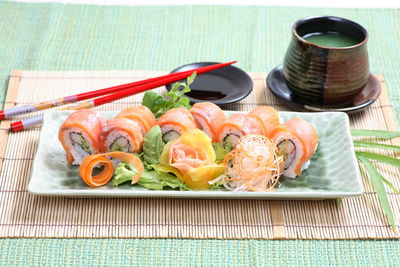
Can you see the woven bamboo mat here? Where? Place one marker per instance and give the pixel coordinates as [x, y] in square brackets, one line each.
[25, 215]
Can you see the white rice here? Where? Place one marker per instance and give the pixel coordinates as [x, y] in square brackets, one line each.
[305, 165]
[114, 134]
[166, 128]
[77, 152]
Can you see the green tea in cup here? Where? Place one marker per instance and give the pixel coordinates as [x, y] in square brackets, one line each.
[330, 39]
[326, 63]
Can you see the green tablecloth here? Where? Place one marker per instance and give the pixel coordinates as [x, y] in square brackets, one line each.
[79, 37]
[186, 252]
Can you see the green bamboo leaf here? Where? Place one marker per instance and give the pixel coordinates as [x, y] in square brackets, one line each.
[390, 185]
[376, 133]
[376, 145]
[379, 188]
[381, 158]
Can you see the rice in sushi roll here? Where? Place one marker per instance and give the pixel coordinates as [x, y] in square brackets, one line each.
[175, 122]
[121, 134]
[80, 135]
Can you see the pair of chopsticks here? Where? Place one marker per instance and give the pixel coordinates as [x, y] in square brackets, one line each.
[109, 94]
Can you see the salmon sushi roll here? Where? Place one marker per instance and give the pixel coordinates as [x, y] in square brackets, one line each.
[306, 131]
[267, 116]
[80, 135]
[209, 118]
[236, 126]
[121, 134]
[175, 122]
[297, 140]
[141, 115]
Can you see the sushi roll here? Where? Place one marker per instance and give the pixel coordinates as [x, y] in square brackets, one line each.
[175, 122]
[267, 116]
[297, 140]
[208, 117]
[121, 134]
[236, 126]
[306, 131]
[80, 135]
[141, 115]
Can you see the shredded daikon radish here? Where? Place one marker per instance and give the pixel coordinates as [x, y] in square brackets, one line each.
[253, 165]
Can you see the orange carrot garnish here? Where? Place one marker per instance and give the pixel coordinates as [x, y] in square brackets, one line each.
[89, 162]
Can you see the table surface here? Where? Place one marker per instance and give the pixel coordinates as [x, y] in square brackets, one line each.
[304, 3]
[82, 37]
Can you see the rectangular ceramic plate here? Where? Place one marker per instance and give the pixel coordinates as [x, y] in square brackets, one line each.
[333, 172]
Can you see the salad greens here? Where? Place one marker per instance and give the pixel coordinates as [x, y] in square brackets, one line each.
[151, 178]
[175, 98]
[153, 145]
[217, 185]
[123, 173]
[221, 151]
[158, 180]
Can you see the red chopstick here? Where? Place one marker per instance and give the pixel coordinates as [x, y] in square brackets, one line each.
[12, 112]
[119, 94]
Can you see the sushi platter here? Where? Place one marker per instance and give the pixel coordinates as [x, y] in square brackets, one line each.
[333, 170]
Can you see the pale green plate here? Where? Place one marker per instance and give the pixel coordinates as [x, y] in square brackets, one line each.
[333, 172]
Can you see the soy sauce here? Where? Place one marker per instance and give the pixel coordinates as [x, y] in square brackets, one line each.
[206, 95]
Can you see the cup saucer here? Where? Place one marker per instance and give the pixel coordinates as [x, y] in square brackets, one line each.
[277, 85]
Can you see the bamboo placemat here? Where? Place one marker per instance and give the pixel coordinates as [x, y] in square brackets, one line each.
[25, 215]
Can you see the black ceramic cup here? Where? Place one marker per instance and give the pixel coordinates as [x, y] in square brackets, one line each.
[326, 75]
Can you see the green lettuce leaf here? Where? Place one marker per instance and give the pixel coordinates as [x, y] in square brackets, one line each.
[155, 102]
[150, 180]
[153, 146]
[154, 180]
[123, 173]
[216, 185]
[170, 180]
[175, 98]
